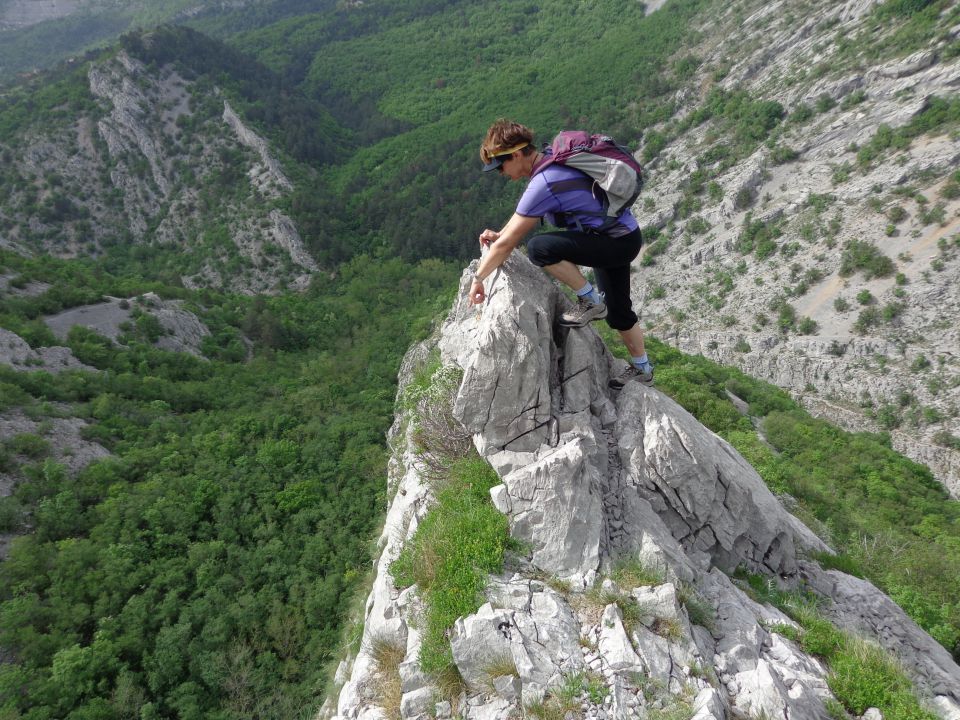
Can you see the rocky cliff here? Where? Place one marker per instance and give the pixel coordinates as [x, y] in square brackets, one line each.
[867, 347]
[159, 162]
[591, 480]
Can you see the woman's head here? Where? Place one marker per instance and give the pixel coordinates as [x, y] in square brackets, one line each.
[504, 138]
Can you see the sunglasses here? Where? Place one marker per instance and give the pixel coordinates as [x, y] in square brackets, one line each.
[503, 160]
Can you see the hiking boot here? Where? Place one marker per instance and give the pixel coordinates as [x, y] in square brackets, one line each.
[585, 311]
[630, 374]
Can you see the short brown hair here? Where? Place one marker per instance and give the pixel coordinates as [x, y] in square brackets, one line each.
[505, 134]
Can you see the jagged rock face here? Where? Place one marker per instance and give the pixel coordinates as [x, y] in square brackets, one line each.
[17, 353]
[599, 477]
[794, 56]
[587, 457]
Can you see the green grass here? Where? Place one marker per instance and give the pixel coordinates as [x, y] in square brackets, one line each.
[460, 541]
[861, 673]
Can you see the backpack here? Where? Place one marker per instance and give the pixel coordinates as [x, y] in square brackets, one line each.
[609, 167]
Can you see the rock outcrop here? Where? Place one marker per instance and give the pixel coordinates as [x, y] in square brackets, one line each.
[590, 479]
[182, 331]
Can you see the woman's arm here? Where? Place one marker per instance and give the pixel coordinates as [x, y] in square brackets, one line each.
[501, 245]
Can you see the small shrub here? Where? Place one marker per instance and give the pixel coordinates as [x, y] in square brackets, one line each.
[853, 99]
[841, 304]
[892, 310]
[801, 114]
[807, 326]
[782, 154]
[698, 225]
[841, 173]
[937, 215]
[920, 363]
[865, 297]
[860, 255]
[658, 292]
[824, 103]
[29, 445]
[896, 214]
[744, 199]
[945, 439]
[866, 320]
[741, 345]
[714, 191]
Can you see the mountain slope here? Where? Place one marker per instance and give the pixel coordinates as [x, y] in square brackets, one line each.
[822, 259]
[133, 162]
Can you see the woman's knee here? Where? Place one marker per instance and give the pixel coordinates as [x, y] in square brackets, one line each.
[540, 251]
[619, 319]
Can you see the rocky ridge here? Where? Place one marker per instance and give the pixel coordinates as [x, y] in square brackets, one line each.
[706, 296]
[164, 163]
[589, 479]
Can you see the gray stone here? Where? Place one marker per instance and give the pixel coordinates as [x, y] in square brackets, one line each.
[417, 702]
[508, 687]
[411, 676]
[615, 647]
[480, 639]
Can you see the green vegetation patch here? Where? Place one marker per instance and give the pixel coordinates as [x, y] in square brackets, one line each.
[865, 256]
[861, 673]
[938, 116]
[205, 570]
[759, 237]
[460, 541]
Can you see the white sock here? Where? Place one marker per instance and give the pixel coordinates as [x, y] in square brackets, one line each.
[590, 291]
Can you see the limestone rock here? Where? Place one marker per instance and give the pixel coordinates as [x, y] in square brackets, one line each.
[647, 484]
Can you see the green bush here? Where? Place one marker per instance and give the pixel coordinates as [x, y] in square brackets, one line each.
[860, 255]
[807, 326]
[825, 103]
[759, 237]
[29, 445]
[896, 214]
[867, 319]
[782, 154]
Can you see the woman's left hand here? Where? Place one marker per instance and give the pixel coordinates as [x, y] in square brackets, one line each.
[477, 293]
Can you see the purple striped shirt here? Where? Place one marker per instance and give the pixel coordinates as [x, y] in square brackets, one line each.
[560, 189]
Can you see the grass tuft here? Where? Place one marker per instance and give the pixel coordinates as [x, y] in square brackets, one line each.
[387, 653]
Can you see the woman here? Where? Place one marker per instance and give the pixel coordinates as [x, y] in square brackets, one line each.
[564, 197]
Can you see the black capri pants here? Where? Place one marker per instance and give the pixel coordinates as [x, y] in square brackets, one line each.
[610, 258]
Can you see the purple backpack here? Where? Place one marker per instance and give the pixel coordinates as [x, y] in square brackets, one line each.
[610, 167]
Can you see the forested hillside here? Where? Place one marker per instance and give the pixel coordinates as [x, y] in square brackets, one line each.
[303, 178]
[204, 568]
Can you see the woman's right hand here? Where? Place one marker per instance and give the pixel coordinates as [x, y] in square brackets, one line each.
[488, 236]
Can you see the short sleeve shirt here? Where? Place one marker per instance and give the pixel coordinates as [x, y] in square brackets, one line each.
[560, 189]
